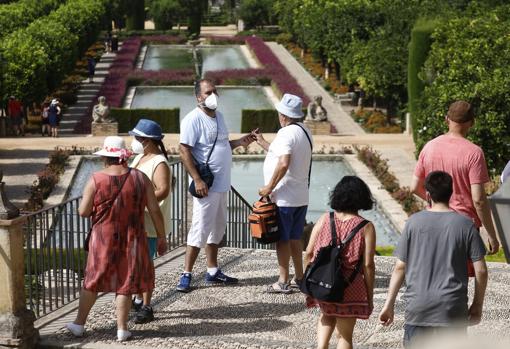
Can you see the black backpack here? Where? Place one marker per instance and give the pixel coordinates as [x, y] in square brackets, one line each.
[324, 279]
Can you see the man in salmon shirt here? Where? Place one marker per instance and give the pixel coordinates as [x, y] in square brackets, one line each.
[465, 162]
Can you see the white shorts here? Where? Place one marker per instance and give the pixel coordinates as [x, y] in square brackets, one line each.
[209, 220]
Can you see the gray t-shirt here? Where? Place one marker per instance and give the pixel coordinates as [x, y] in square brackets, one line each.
[435, 247]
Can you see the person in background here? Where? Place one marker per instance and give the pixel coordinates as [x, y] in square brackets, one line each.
[431, 256]
[54, 113]
[152, 160]
[286, 177]
[45, 120]
[118, 261]
[350, 196]
[465, 162]
[204, 132]
[15, 114]
[91, 67]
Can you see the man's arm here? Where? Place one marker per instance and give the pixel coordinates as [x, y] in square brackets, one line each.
[484, 213]
[481, 276]
[397, 278]
[243, 141]
[279, 172]
[187, 159]
[417, 187]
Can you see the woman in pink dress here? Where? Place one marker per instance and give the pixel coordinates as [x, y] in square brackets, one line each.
[118, 261]
[350, 195]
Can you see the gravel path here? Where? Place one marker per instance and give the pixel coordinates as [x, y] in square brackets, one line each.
[244, 316]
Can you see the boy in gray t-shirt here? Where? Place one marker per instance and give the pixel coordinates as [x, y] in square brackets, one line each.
[432, 255]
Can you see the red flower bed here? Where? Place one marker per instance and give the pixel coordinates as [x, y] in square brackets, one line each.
[164, 39]
[225, 40]
[162, 77]
[253, 76]
[278, 73]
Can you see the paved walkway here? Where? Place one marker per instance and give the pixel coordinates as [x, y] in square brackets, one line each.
[244, 316]
[343, 123]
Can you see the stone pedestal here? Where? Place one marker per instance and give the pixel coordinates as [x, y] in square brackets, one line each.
[105, 129]
[16, 321]
[318, 127]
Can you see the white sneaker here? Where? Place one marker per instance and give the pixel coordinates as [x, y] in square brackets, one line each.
[76, 330]
[123, 335]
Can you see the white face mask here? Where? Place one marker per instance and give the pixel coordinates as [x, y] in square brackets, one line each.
[137, 147]
[211, 102]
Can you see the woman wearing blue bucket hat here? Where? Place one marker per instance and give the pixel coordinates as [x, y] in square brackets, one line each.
[152, 160]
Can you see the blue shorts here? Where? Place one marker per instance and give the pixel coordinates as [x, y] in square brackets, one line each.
[153, 246]
[291, 222]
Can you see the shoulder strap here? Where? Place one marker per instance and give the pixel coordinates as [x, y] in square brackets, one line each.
[332, 226]
[354, 231]
[311, 147]
[215, 139]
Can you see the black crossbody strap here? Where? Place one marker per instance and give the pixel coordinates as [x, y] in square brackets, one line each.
[215, 139]
[353, 232]
[311, 147]
[332, 226]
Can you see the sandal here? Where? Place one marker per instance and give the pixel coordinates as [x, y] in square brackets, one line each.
[279, 287]
[294, 283]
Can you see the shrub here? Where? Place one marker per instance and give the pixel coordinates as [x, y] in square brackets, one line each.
[21, 13]
[127, 118]
[256, 13]
[251, 76]
[379, 166]
[469, 60]
[225, 40]
[265, 119]
[161, 77]
[75, 260]
[166, 13]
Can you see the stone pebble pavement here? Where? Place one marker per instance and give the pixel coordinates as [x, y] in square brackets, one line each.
[244, 316]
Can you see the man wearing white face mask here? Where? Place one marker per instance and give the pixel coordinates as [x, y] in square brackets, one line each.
[204, 142]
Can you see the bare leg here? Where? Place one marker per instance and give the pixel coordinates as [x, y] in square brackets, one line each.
[211, 253]
[191, 257]
[325, 328]
[123, 304]
[147, 296]
[283, 254]
[296, 250]
[87, 300]
[345, 328]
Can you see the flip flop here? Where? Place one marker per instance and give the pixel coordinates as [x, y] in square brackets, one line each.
[294, 284]
[279, 287]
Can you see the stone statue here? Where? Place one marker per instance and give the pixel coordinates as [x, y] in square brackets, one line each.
[316, 112]
[100, 111]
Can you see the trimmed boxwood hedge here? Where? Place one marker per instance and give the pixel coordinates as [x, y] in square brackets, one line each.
[51, 256]
[127, 118]
[264, 119]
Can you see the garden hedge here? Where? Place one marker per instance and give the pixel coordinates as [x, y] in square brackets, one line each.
[38, 57]
[19, 14]
[264, 119]
[52, 260]
[419, 47]
[469, 60]
[127, 118]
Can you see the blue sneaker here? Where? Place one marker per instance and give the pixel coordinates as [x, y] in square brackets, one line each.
[184, 284]
[219, 278]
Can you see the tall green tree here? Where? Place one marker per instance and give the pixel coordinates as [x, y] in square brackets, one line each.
[256, 13]
[166, 13]
[135, 14]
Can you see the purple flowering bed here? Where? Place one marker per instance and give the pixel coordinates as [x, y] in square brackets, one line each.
[122, 73]
[225, 40]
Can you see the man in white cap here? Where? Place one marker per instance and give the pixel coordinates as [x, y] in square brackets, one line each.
[287, 170]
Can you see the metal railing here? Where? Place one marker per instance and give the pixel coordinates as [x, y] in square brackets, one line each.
[54, 238]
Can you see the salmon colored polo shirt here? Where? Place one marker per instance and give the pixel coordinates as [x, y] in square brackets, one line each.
[464, 161]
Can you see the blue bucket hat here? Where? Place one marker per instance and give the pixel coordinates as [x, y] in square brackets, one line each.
[148, 129]
[290, 106]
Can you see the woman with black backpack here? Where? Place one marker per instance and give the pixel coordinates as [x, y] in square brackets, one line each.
[353, 286]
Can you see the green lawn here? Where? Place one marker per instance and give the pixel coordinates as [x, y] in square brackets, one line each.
[388, 251]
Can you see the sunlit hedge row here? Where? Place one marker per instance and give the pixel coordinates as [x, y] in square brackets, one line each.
[36, 58]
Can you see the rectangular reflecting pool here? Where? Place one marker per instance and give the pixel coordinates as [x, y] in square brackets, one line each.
[247, 178]
[232, 100]
[160, 57]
